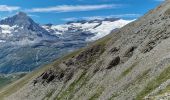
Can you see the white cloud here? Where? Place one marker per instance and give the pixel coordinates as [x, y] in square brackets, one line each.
[74, 8]
[70, 19]
[126, 15]
[31, 15]
[102, 17]
[8, 8]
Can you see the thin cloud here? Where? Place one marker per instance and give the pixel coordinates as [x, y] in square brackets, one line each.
[126, 15]
[8, 8]
[31, 15]
[160, 0]
[70, 19]
[74, 8]
[102, 17]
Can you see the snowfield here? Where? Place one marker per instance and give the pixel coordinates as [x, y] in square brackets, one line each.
[100, 29]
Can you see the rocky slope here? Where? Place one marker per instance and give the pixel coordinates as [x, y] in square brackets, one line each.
[132, 63]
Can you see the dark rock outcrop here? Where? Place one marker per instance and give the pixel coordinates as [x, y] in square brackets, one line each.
[114, 62]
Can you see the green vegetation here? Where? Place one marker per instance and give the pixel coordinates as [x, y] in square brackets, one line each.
[15, 86]
[103, 41]
[165, 75]
[48, 95]
[167, 89]
[113, 96]
[128, 70]
[99, 91]
[4, 81]
[138, 79]
[74, 87]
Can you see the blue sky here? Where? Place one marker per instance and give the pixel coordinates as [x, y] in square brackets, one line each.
[61, 11]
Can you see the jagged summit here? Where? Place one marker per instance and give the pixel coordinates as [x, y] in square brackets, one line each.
[20, 19]
[22, 14]
[24, 22]
[21, 26]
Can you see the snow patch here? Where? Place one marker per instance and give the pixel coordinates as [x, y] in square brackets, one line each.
[2, 41]
[6, 30]
[106, 27]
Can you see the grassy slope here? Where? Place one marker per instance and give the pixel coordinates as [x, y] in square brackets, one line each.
[83, 78]
[153, 84]
[6, 80]
[13, 87]
[20, 83]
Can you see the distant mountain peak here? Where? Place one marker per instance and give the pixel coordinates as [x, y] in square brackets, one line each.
[22, 14]
[20, 19]
[24, 26]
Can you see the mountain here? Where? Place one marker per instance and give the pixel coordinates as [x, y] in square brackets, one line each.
[26, 45]
[20, 27]
[88, 30]
[131, 63]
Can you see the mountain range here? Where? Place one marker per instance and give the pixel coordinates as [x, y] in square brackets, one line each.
[130, 63]
[26, 45]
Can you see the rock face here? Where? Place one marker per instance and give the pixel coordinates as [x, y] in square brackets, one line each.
[132, 63]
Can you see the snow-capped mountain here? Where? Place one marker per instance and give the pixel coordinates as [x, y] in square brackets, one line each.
[21, 29]
[97, 28]
[26, 45]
